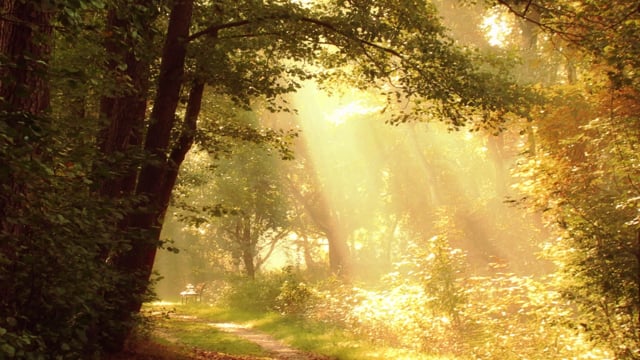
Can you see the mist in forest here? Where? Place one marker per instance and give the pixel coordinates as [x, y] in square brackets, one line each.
[361, 193]
[383, 189]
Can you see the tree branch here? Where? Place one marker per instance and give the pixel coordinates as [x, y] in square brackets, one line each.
[213, 30]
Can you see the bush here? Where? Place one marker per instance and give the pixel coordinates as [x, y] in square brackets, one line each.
[440, 311]
[282, 291]
[295, 298]
[55, 235]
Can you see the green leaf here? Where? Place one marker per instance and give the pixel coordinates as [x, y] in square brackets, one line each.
[8, 350]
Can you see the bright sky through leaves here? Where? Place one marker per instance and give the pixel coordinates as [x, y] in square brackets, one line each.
[497, 28]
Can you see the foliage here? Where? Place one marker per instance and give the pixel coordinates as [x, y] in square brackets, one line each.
[501, 317]
[589, 190]
[295, 299]
[75, 258]
[362, 44]
[51, 283]
[511, 316]
[269, 292]
[602, 29]
[242, 210]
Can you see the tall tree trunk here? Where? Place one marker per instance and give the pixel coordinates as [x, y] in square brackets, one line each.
[319, 210]
[25, 45]
[123, 113]
[153, 176]
[247, 260]
[495, 144]
[25, 42]
[248, 250]
[25, 48]
[329, 223]
[157, 176]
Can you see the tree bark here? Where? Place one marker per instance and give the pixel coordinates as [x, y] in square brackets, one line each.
[152, 181]
[25, 44]
[25, 40]
[157, 176]
[125, 113]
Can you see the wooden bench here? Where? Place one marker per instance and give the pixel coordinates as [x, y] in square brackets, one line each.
[192, 292]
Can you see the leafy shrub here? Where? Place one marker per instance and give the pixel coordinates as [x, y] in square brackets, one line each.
[53, 272]
[429, 305]
[295, 298]
[15, 345]
[281, 291]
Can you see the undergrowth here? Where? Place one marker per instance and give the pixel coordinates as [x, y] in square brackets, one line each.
[503, 316]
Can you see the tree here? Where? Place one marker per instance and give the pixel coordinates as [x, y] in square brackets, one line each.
[243, 51]
[25, 45]
[376, 50]
[244, 209]
[601, 29]
[588, 185]
[257, 219]
[49, 236]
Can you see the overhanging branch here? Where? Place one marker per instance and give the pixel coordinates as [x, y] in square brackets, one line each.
[213, 30]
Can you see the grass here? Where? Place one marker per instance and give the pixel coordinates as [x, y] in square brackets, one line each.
[197, 333]
[330, 340]
[318, 338]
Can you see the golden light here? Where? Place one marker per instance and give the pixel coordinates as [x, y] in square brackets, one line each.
[341, 114]
[303, 3]
[497, 27]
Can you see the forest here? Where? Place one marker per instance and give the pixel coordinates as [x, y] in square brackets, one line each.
[452, 179]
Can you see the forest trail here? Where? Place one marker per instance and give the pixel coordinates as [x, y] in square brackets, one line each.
[277, 349]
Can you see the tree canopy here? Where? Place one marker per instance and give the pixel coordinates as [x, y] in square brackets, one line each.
[102, 100]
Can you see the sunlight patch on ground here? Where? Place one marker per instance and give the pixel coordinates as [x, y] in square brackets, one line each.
[229, 326]
[163, 303]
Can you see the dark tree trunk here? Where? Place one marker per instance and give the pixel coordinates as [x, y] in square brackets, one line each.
[182, 147]
[25, 44]
[157, 176]
[25, 41]
[152, 181]
[248, 246]
[247, 260]
[124, 113]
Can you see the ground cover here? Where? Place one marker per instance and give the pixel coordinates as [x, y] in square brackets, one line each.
[234, 332]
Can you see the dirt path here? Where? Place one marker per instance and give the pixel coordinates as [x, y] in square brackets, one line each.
[277, 349]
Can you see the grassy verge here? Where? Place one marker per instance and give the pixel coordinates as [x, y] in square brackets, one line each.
[191, 328]
[313, 337]
[330, 340]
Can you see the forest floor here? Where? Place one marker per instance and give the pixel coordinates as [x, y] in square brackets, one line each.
[148, 349]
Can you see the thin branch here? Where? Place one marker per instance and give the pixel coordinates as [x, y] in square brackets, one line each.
[523, 15]
[331, 27]
[214, 29]
[526, 9]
